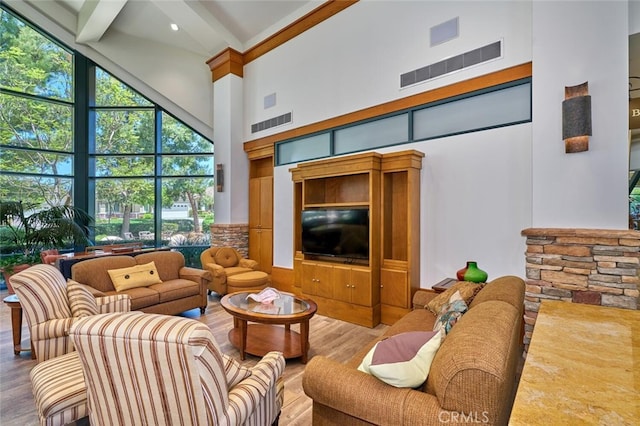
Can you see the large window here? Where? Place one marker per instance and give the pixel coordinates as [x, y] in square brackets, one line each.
[141, 173]
[36, 116]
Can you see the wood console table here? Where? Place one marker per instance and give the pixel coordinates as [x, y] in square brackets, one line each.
[583, 367]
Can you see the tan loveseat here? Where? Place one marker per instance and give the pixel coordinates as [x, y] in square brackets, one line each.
[182, 288]
[472, 378]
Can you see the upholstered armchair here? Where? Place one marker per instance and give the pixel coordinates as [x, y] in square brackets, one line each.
[51, 306]
[163, 370]
[50, 256]
[224, 262]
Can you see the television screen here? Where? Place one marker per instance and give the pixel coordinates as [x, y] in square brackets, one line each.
[336, 232]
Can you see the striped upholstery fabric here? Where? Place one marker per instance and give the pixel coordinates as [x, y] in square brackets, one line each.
[59, 390]
[114, 303]
[234, 371]
[42, 290]
[164, 370]
[81, 301]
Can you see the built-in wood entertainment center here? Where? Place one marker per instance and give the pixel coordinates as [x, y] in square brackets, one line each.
[380, 288]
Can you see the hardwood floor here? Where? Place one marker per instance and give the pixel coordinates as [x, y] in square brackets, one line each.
[334, 338]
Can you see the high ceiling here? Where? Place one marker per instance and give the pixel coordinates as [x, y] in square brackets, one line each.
[205, 26]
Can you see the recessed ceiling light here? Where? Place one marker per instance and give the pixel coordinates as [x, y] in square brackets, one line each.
[174, 27]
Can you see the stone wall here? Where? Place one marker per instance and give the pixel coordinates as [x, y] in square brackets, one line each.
[592, 266]
[233, 235]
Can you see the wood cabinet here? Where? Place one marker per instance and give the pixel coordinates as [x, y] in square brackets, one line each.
[380, 288]
[400, 263]
[353, 293]
[316, 279]
[261, 247]
[394, 289]
[261, 212]
[261, 201]
[353, 285]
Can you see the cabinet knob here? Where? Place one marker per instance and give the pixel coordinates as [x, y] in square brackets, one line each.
[381, 285]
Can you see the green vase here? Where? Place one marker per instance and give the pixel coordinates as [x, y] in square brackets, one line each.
[475, 274]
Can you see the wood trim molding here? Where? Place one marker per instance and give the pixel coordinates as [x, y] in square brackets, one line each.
[481, 82]
[262, 152]
[230, 61]
[311, 19]
[282, 278]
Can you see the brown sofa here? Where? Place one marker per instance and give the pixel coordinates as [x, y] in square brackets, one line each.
[182, 288]
[472, 377]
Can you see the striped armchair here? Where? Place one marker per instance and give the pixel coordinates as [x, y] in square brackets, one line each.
[163, 370]
[51, 306]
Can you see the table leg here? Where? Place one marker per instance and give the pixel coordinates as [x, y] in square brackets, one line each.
[16, 325]
[304, 340]
[243, 337]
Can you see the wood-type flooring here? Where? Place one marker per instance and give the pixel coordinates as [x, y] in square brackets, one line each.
[330, 337]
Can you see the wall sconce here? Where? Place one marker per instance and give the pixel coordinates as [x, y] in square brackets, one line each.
[219, 177]
[576, 118]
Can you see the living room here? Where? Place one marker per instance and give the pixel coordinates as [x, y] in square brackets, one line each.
[479, 189]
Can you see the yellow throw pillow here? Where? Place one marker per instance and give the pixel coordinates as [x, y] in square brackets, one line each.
[134, 276]
[467, 289]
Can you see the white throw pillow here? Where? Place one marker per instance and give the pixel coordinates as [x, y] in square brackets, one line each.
[403, 360]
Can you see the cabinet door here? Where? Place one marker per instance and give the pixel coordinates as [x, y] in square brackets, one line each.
[316, 279]
[361, 287]
[261, 248]
[261, 202]
[323, 280]
[342, 283]
[394, 288]
[352, 285]
[254, 202]
[266, 250]
[266, 202]
[308, 278]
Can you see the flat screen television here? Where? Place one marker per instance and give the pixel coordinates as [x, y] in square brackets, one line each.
[336, 232]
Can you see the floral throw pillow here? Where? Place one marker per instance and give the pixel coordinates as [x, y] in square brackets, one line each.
[450, 313]
[467, 290]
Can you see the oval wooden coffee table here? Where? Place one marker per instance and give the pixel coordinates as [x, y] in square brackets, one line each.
[266, 335]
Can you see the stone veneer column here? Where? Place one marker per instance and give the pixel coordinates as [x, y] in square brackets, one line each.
[592, 266]
[232, 235]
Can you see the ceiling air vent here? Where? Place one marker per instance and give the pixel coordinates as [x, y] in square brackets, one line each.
[455, 63]
[271, 122]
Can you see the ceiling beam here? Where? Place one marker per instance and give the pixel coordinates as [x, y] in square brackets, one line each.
[95, 17]
[198, 22]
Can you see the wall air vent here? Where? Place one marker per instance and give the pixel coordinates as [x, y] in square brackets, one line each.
[272, 122]
[455, 63]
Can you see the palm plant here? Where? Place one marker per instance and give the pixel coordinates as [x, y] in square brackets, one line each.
[29, 230]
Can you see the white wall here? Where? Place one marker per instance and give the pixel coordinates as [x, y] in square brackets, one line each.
[232, 204]
[330, 70]
[354, 59]
[588, 189]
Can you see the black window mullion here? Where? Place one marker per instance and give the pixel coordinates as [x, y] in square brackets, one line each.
[81, 134]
